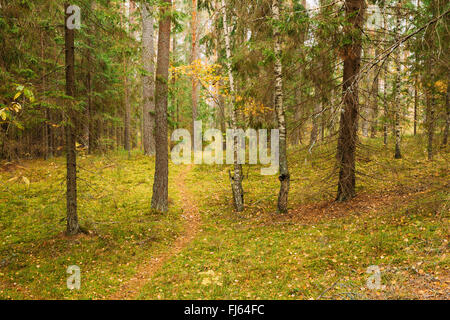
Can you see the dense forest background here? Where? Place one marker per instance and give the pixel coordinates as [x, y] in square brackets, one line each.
[404, 71]
[358, 89]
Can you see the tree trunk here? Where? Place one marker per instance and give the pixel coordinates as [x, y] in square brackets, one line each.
[416, 103]
[284, 177]
[126, 99]
[174, 80]
[396, 95]
[45, 136]
[236, 179]
[315, 124]
[430, 123]
[447, 120]
[87, 123]
[160, 186]
[73, 227]
[349, 117]
[385, 110]
[194, 57]
[375, 92]
[148, 55]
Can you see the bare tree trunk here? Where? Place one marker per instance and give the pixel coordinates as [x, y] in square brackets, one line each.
[174, 79]
[315, 123]
[447, 120]
[236, 179]
[51, 136]
[126, 99]
[365, 122]
[375, 92]
[87, 115]
[148, 55]
[73, 227]
[397, 129]
[284, 177]
[160, 186]
[416, 103]
[396, 94]
[297, 130]
[349, 118]
[385, 110]
[92, 140]
[430, 123]
[194, 57]
[45, 126]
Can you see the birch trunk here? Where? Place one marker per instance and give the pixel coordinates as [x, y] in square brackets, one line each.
[194, 57]
[284, 177]
[236, 179]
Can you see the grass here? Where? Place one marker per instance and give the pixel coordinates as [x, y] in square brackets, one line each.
[399, 222]
[114, 201]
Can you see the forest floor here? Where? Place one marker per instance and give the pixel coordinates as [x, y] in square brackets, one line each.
[202, 249]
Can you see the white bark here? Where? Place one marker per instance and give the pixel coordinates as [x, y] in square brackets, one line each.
[280, 112]
[238, 193]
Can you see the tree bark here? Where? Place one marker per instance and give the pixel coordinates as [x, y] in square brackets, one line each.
[160, 185]
[315, 124]
[349, 117]
[148, 56]
[385, 110]
[447, 120]
[126, 99]
[396, 94]
[194, 57]
[73, 227]
[88, 117]
[284, 177]
[430, 123]
[416, 103]
[375, 92]
[45, 127]
[236, 179]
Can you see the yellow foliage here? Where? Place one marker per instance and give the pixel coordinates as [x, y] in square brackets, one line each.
[210, 76]
[441, 86]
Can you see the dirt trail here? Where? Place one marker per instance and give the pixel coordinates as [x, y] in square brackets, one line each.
[131, 289]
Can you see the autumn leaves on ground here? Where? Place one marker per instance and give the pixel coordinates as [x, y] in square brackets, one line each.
[202, 249]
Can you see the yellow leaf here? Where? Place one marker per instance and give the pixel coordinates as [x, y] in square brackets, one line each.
[25, 179]
[18, 94]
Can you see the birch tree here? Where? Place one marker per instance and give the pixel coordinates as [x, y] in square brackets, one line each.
[237, 177]
[280, 112]
[194, 57]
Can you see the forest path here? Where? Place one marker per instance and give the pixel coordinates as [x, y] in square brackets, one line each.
[131, 289]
